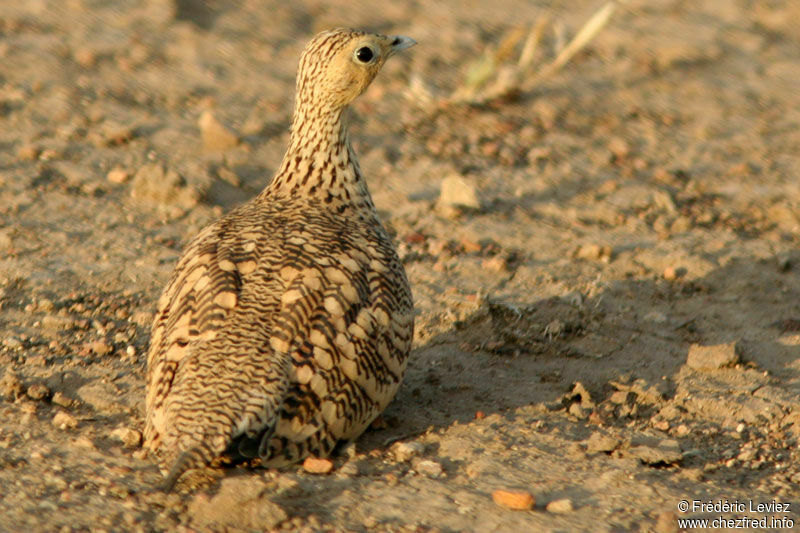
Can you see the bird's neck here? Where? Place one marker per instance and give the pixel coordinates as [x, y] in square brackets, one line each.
[320, 164]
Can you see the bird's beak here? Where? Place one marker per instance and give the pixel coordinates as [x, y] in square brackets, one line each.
[400, 43]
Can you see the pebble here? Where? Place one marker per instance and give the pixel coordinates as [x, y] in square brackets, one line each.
[216, 137]
[111, 133]
[57, 323]
[579, 412]
[405, 451]
[618, 147]
[102, 397]
[152, 183]
[240, 504]
[85, 57]
[12, 343]
[59, 398]
[561, 506]
[457, 192]
[667, 451]
[513, 499]
[315, 465]
[64, 420]
[661, 425]
[666, 522]
[470, 246]
[429, 468]
[594, 252]
[28, 152]
[100, 348]
[118, 175]
[682, 430]
[619, 397]
[38, 391]
[10, 386]
[672, 273]
[495, 264]
[131, 438]
[349, 469]
[712, 357]
[599, 442]
[656, 317]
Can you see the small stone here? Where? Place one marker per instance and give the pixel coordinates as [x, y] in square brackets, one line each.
[111, 133]
[315, 465]
[457, 192]
[666, 522]
[60, 399]
[667, 451]
[405, 451]
[102, 397]
[28, 152]
[561, 506]
[429, 468]
[10, 386]
[240, 504]
[682, 430]
[6, 242]
[712, 357]
[349, 469]
[495, 264]
[100, 348]
[84, 442]
[45, 305]
[64, 420]
[216, 137]
[513, 499]
[55, 323]
[578, 412]
[594, 252]
[153, 184]
[656, 317]
[470, 246]
[618, 147]
[229, 176]
[118, 175]
[85, 57]
[38, 391]
[672, 273]
[619, 397]
[601, 443]
[414, 238]
[12, 343]
[131, 438]
[661, 425]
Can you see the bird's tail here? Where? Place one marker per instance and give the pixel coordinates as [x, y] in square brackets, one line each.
[192, 458]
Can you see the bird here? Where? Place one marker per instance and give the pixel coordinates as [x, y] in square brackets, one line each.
[286, 325]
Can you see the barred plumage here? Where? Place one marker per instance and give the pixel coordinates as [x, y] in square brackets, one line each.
[286, 325]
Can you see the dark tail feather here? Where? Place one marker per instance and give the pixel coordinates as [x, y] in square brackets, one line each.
[187, 460]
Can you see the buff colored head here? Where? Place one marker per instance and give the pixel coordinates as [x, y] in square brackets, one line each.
[338, 65]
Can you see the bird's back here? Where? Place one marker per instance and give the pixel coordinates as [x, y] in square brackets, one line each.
[284, 329]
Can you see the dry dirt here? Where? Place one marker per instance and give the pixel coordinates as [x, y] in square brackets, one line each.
[637, 206]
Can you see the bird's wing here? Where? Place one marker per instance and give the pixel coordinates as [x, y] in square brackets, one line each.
[346, 333]
[195, 312]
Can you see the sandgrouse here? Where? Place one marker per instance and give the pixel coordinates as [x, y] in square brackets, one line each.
[286, 325]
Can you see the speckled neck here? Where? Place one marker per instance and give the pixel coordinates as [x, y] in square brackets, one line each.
[320, 163]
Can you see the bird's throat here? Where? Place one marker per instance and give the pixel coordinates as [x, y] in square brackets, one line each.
[320, 164]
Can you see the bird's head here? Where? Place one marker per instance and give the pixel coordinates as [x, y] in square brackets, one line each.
[338, 65]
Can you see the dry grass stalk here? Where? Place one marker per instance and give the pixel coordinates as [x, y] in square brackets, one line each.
[494, 77]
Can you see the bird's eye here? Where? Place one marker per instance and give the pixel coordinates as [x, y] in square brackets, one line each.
[364, 54]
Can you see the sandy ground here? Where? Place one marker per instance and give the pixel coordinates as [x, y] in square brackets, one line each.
[615, 327]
